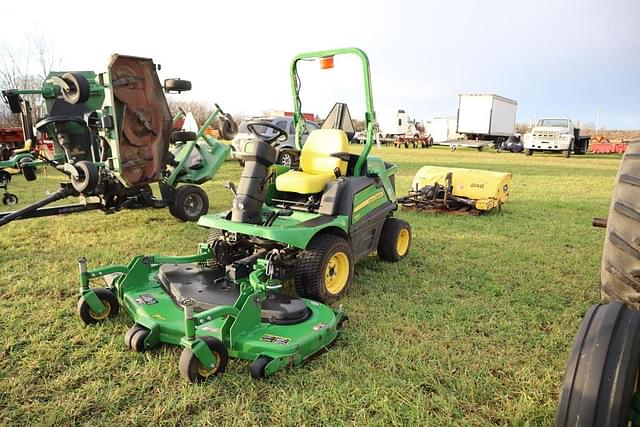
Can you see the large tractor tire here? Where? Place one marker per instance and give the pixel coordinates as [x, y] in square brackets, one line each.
[601, 376]
[620, 272]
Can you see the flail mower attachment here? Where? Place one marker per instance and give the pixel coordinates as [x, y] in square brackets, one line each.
[113, 138]
[457, 191]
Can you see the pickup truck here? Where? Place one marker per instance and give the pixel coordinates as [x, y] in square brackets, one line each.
[555, 134]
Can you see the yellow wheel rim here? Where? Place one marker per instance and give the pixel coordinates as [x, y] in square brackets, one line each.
[402, 244]
[104, 314]
[207, 372]
[336, 273]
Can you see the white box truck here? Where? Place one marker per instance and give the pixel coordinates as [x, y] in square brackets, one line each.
[441, 129]
[486, 117]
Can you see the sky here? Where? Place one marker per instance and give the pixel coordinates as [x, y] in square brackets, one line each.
[555, 58]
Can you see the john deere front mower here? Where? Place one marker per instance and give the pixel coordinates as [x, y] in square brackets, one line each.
[112, 134]
[309, 225]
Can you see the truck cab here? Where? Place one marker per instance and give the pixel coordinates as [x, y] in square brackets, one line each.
[552, 134]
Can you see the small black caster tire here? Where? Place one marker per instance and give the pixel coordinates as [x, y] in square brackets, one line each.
[138, 338]
[89, 317]
[258, 367]
[130, 333]
[9, 199]
[192, 370]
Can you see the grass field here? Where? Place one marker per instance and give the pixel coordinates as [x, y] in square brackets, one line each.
[473, 328]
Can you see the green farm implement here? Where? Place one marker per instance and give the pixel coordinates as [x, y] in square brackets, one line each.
[113, 138]
[308, 226]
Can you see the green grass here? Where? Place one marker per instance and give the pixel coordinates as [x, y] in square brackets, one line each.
[473, 328]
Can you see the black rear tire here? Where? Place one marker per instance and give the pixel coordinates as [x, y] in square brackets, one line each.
[601, 373]
[392, 246]
[314, 276]
[620, 271]
[189, 203]
[529, 152]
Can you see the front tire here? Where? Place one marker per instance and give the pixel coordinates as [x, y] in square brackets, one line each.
[601, 375]
[620, 271]
[324, 271]
[529, 152]
[395, 240]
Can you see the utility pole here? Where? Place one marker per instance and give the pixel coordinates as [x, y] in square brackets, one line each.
[597, 120]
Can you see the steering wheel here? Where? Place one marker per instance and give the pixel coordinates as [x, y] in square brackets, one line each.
[281, 134]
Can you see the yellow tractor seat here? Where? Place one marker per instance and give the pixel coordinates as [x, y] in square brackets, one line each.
[25, 149]
[318, 163]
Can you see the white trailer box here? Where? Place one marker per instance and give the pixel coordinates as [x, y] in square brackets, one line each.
[484, 116]
[441, 129]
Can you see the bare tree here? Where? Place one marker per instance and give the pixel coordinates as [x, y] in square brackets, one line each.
[25, 68]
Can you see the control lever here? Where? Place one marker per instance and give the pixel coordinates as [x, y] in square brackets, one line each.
[275, 214]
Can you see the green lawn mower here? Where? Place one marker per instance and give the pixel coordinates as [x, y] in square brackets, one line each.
[112, 135]
[21, 161]
[308, 226]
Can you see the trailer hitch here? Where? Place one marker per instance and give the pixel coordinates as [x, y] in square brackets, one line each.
[35, 210]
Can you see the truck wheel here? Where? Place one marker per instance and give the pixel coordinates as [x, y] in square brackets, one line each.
[602, 371]
[620, 271]
[324, 270]
[529, 152]
[189, 203]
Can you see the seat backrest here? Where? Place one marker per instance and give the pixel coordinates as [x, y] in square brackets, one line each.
[316, 156]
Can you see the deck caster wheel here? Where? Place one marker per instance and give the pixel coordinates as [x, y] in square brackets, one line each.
[90, 317]
[258, 367]
[9, 199]
[395, 240]
[189, 203]
[191, 368]
[529, 152]
[135, 336]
